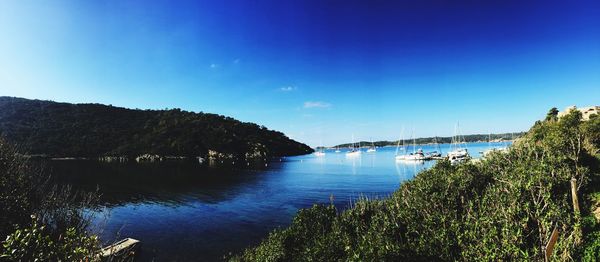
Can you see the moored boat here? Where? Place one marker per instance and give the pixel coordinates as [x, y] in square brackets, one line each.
[372, 149]
[353, 150]
[459, 152]
[416, 155]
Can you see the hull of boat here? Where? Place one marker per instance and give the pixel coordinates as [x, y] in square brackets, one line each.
[354, 153]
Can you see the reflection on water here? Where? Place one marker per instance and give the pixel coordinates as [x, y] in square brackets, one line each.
[183, 211]
[167, 183]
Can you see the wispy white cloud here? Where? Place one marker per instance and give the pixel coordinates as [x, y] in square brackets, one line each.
[316, 104]
[236, 61]
[214, 65]
[287, 88]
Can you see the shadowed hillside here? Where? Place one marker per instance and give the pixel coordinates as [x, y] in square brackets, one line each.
[91, 130]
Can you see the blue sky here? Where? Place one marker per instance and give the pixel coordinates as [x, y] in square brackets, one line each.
[316, 70]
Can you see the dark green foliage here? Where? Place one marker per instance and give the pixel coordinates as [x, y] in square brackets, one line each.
[501, 209]
[61, 129]
[35, 243]
[552, 114]
[18, 196]
[40, 222]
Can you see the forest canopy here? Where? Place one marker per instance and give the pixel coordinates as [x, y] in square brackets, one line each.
[93, 130]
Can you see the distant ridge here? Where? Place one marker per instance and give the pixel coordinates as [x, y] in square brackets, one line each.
[95, 130]
[428, 140]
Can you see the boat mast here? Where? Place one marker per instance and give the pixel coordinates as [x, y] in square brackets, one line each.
[401, 139]
[414, 142]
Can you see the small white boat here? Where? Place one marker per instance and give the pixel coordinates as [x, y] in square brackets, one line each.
[372, 149]
[320, 150]
[410, 162]
[487, 152]
[416, 155]
[398, 148]
[319, 153]
[437, 152]
[495, 149]
[458, 154]
[353, 150]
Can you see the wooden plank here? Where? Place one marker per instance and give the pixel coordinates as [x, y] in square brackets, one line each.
[125, 245]
[551, 243]
[574, 195]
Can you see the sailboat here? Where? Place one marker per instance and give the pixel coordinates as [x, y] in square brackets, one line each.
[320, 151]
[398, 148]
[484, 152]
[353, 150]
[491, 148]
[437, 152]
[337, 149]
[458, 152]
[372, 148]
[416, 155]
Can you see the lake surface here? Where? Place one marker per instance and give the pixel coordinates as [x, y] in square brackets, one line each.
[189, 212]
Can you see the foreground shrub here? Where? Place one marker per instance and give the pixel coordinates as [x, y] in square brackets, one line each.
[40, 221]
[35, 243]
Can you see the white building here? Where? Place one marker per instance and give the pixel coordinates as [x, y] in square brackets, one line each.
[586, 112]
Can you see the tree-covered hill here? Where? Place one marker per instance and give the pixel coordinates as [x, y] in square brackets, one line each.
[91, 130]
[442, 140]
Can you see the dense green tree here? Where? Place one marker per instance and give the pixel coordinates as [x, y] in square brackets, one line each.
[552, 114]
[91, 130]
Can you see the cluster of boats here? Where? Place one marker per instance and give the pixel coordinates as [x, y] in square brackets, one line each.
[458, 151]
[353, 150]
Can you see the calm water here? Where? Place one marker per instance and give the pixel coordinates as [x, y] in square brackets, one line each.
[184, 212]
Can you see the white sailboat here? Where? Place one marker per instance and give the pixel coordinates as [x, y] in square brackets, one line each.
[437, 152]
[458, 151]
[353, 150]
[492, 149]
[398, 148]
[372, 148]
[320, 150]
[416, 155]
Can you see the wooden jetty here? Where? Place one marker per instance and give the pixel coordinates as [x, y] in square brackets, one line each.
[122, 250]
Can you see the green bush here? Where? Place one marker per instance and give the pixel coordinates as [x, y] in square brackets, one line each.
[35, 243]
[58, 229]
